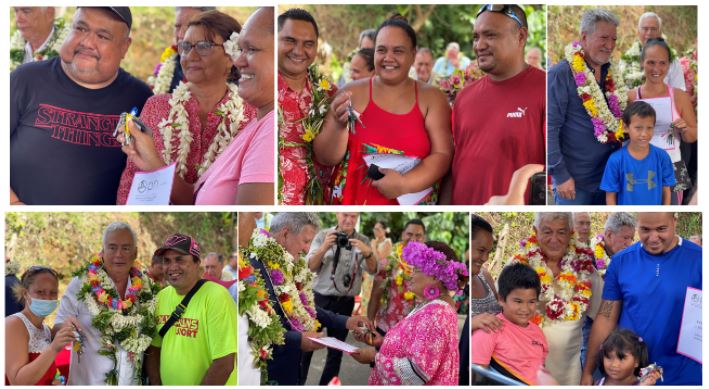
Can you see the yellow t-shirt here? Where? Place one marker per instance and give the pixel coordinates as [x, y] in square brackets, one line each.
[206, 331]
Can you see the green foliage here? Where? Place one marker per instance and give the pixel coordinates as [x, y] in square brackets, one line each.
[65, 241]
[448, 227]
[435, 24]
[679, 26]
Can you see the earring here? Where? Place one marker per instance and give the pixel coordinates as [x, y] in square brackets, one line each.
[431, 292]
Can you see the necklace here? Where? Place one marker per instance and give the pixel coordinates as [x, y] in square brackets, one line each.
[231, 111]
[606, 115]
[168, 63]
[50, 50]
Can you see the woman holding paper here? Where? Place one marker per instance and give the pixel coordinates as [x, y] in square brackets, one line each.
[676, 121]
[404, 128]
[422, 349]
[243, 171]
[193, 125]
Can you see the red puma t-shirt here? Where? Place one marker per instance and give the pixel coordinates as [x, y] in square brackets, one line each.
[498, 127]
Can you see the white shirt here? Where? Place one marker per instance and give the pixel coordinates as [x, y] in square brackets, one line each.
[93, 367]
[29, 54]
[248, 374]
[675, 76]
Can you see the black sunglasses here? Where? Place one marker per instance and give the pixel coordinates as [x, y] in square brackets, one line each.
[503, 9]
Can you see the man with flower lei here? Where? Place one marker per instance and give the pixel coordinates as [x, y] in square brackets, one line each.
[303, 100]
[567, 275]
[392, 298]
[111, 305]
[649, 27]
[288, 285]
[587, 97]
[168, 73]
[38, 37]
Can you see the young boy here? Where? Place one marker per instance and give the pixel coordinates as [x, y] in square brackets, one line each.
[639, 173]
[518, 348]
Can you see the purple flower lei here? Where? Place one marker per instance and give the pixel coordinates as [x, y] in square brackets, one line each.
[433, 263]
[277, 277]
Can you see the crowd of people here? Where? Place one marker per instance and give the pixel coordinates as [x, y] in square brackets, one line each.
[615, 141]
[209, 112]
[386, 137]
[410, 332]
[173, 324]
[563, 311]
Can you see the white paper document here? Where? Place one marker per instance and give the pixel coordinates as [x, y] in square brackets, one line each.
[152, 188]
[690, 331]
[402, 164]
[335, 343]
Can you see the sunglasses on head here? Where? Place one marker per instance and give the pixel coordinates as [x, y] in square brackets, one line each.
[505, 9]
[39, 269]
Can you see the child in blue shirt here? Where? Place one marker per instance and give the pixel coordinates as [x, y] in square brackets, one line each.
[639, 173]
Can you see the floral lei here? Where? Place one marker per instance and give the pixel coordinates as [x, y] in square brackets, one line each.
[231, 110]
[321, 89]
[291, 280]
[398, 272]
[50, 50]
[606, 115]
[633, 73]
[570, 299]
[165, 70]
[602, 260]
[265, 328]
[434, 263]
[128, 323]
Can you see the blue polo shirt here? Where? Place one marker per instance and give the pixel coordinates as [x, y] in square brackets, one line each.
[573, 149]
[652, 289]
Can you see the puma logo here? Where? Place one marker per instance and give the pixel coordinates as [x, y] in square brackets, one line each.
[519, 113]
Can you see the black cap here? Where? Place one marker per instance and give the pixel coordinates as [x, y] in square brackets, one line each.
[182, 243]
[123, 13]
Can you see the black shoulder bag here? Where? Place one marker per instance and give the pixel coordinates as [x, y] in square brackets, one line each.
[180, 308]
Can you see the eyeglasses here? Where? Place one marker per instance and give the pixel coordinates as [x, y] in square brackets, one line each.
[204, 48]
[503, 9]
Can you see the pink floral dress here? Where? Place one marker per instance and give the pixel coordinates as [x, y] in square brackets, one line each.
[294, 153]
[420, 350]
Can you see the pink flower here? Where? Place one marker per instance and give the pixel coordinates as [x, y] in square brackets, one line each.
[580, 79]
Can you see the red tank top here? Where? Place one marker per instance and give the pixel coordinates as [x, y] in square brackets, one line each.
[384, 133]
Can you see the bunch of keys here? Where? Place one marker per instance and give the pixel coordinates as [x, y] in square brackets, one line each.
[649, 369]
[353, 117]
[123, 125]
[366, 333]
[78, 345]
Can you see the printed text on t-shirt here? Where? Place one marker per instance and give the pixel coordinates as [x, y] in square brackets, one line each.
[184, 327]
[80, 128]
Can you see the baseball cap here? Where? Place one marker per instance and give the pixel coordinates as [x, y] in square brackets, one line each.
[182, 243]
[123, 13]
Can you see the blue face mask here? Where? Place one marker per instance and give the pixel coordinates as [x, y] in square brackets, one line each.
[43, 308]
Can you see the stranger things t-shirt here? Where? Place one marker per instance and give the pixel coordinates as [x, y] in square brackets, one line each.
[61, 146]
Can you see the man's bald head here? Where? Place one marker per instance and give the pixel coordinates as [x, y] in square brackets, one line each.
[262, 20]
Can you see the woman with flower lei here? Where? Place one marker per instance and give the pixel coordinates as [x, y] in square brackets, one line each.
[49, 49]
[298, 126]
[126, 324]
[426, 341]
[195, 123]
[566, 271]
[605, 110]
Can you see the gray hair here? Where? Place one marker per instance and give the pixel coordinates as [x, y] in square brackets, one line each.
[220, 258]
[573, 215]
[200, 9]
[592, 16]
[368, 33]
[539, 217]
[650, 15]
[453, 45]
[618, 220]
[118, 226]
[424, 50]
[294, 221]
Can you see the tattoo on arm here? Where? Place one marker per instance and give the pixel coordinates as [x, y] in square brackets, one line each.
[606, 308]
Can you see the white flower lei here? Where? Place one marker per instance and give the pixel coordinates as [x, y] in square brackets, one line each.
[161, 82]
[572, 296]
[232, 110]
[55, 41]
[138, 342]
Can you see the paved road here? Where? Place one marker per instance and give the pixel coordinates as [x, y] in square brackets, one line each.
[351, 371]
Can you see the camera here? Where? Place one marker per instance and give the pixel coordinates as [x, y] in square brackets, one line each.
[343, 240]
